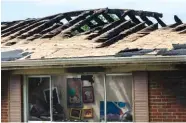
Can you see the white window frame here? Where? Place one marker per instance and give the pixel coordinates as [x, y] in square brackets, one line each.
[25, 93]
[25, 96]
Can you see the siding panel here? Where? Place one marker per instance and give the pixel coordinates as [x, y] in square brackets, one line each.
[140, 80]
[15, 98]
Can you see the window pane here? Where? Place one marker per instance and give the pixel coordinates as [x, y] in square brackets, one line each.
[77, 98]
[38, 99]
[119, 98]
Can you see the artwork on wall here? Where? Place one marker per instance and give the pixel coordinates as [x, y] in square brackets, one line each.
[116, 111]
[88, 113]
[88, 94]
[74, 93]
[55, 95]
[75, 113]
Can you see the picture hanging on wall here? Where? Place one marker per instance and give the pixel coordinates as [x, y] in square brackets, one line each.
[74, 93]
[75, 113]
[116, 111]
[88, 113]
[88, 94]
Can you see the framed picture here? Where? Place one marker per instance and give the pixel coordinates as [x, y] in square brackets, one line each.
[75, 113]
[88, 94]
[88, 113]
[74, 93]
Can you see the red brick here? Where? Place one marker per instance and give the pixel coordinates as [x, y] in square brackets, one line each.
[163, 93]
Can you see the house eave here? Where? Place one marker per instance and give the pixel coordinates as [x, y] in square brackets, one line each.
[91, 61]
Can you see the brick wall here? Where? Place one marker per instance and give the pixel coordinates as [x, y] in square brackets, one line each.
[167, 96]
[4, 97]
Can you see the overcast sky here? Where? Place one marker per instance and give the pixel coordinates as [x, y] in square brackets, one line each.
[22, 9]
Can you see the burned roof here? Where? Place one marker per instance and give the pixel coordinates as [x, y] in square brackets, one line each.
[97, 32]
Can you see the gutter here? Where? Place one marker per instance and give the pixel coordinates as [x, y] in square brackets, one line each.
[93, 61]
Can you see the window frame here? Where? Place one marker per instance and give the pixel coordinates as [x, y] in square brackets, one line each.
[25, 92]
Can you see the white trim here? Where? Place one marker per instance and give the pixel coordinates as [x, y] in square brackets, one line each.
[105, 98]
[25, 98]
[26, 106]
[104, 61]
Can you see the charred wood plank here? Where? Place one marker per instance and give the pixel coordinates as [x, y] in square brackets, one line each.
[183, 31]
[146, 20]
[133, 17]
[123, 34]
[26, 29]
[81, 23]
[136, 12]
[180, 27]
[134, 53]
[22, 23]
[15, 30]
[177, 19]
[43, 26]
[44, 31]
[179, 46]
[114, 31]
[108, 18]
[8, 24]
[149, 29]
[67, 25]
[160, 21]
[104, 29]
[174, 52]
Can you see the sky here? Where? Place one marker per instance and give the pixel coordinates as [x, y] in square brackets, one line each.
[23, 9]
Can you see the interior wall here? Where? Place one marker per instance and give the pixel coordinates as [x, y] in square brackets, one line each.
[60, 82]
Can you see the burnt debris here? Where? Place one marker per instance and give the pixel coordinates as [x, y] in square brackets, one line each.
[104, 25]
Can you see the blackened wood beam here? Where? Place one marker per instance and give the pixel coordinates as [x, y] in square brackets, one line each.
[114, 31]
[179, 46]
[81, 23]
[123, 34]
[149, 29]
[15, 30]
[160, 21]
[177, 22]
[26, 29]
[21, 23]
[42, 26]
[183, 31]
[45, 31]
[146, 20]
[67, 25]
[108, 18]
[136, 12]
[99, 21]
[56, 25]
[133, 17]
[92, 30]
[67, 17]
[104, 29]
[180, 27]
[177, 19]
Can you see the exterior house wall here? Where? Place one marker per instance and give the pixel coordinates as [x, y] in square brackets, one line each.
[167, 96]
[4, 97]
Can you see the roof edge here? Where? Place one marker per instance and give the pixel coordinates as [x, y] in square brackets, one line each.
[105, 61]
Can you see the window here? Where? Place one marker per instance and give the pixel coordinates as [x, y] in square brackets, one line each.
[65, 98]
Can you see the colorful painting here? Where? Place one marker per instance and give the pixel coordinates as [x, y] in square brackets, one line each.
[115, 111]
[74, 91]
[75, 113]
[88, 94]
[88, 113]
